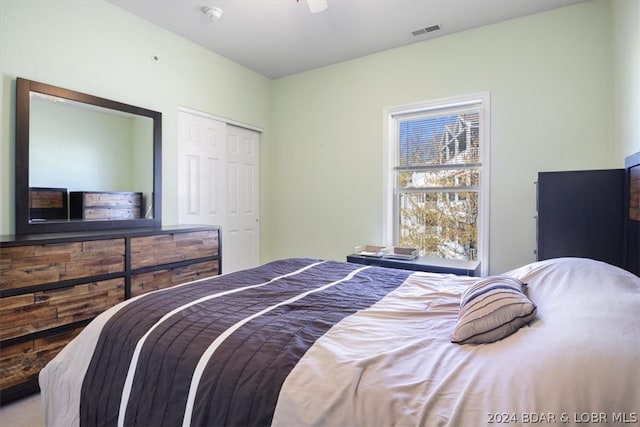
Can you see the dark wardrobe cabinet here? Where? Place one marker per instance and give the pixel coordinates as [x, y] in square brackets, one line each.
[581, 214]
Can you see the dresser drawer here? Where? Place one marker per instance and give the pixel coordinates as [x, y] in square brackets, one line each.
[37, 311]
[20, 363]
[160, 279]
[112, 199]
[111, 213]
[161, 249]
[22, 266]
[105, 205]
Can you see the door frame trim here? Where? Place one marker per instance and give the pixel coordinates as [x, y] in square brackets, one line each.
[220, 119]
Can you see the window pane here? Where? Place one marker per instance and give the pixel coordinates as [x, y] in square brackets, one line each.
[439, 178]
[440, 224]
[440, 140]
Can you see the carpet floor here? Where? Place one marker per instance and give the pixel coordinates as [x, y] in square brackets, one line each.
[25, 412]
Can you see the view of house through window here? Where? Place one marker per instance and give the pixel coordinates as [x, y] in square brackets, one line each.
[438, 169]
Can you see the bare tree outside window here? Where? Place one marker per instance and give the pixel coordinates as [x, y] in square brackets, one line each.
[438, 184]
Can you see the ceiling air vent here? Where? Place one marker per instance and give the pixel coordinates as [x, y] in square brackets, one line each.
[426, 30]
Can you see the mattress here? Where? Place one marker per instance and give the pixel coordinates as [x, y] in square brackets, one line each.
[302, 342]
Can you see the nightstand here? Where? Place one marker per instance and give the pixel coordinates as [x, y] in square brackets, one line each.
[429, 264]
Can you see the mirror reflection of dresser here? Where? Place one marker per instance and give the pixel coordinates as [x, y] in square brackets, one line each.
[48, 203]
[84, 144]
[105, 205]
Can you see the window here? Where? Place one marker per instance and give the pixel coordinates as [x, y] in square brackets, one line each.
[436, 169]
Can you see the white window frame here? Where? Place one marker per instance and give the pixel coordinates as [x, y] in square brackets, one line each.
[390, 159]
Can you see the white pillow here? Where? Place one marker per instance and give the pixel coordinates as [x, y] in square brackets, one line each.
[492, 309]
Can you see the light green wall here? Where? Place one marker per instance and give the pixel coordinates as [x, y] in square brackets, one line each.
[549, 76]
[82, 149]
[626, 76]
[142, 168]
[95, 47]
[556, 79]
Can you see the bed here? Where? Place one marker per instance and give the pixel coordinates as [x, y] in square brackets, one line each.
[305, 342]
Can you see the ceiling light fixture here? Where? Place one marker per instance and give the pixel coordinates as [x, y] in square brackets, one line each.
[214, 13]
[316, 6]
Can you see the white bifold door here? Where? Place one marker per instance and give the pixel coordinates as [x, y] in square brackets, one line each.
[218, 184]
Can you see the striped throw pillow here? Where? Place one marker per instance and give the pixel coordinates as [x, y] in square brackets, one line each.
[492, 309]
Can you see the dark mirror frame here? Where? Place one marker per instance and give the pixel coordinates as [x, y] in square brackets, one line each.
[23, 224]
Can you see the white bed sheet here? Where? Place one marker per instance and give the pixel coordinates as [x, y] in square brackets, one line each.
[393, 365]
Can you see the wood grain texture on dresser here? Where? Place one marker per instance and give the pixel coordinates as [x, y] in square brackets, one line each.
[105, 205]
[42, 310]
[175, 247]
[51, 286]
[54, 262]
[48, 203]
[21, 363]
[160, 279]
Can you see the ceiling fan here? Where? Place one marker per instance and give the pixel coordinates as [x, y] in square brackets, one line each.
[316, 6]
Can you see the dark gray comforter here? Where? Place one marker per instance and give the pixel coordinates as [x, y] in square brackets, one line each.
[216, 352]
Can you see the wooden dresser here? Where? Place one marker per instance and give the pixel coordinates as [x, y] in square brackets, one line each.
[52, 285]
[48, 203]
[105, 205]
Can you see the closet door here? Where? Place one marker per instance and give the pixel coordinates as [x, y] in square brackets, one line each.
[218, 184]
[201, 170]
[241, 238]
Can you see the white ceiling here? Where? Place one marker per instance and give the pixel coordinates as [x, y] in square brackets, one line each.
[278, 38]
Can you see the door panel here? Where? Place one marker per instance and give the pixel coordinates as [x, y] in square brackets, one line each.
[218, 184]
[243, 197]
[201, 152]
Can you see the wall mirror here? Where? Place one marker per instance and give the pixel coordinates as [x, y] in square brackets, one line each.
[84, 163]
